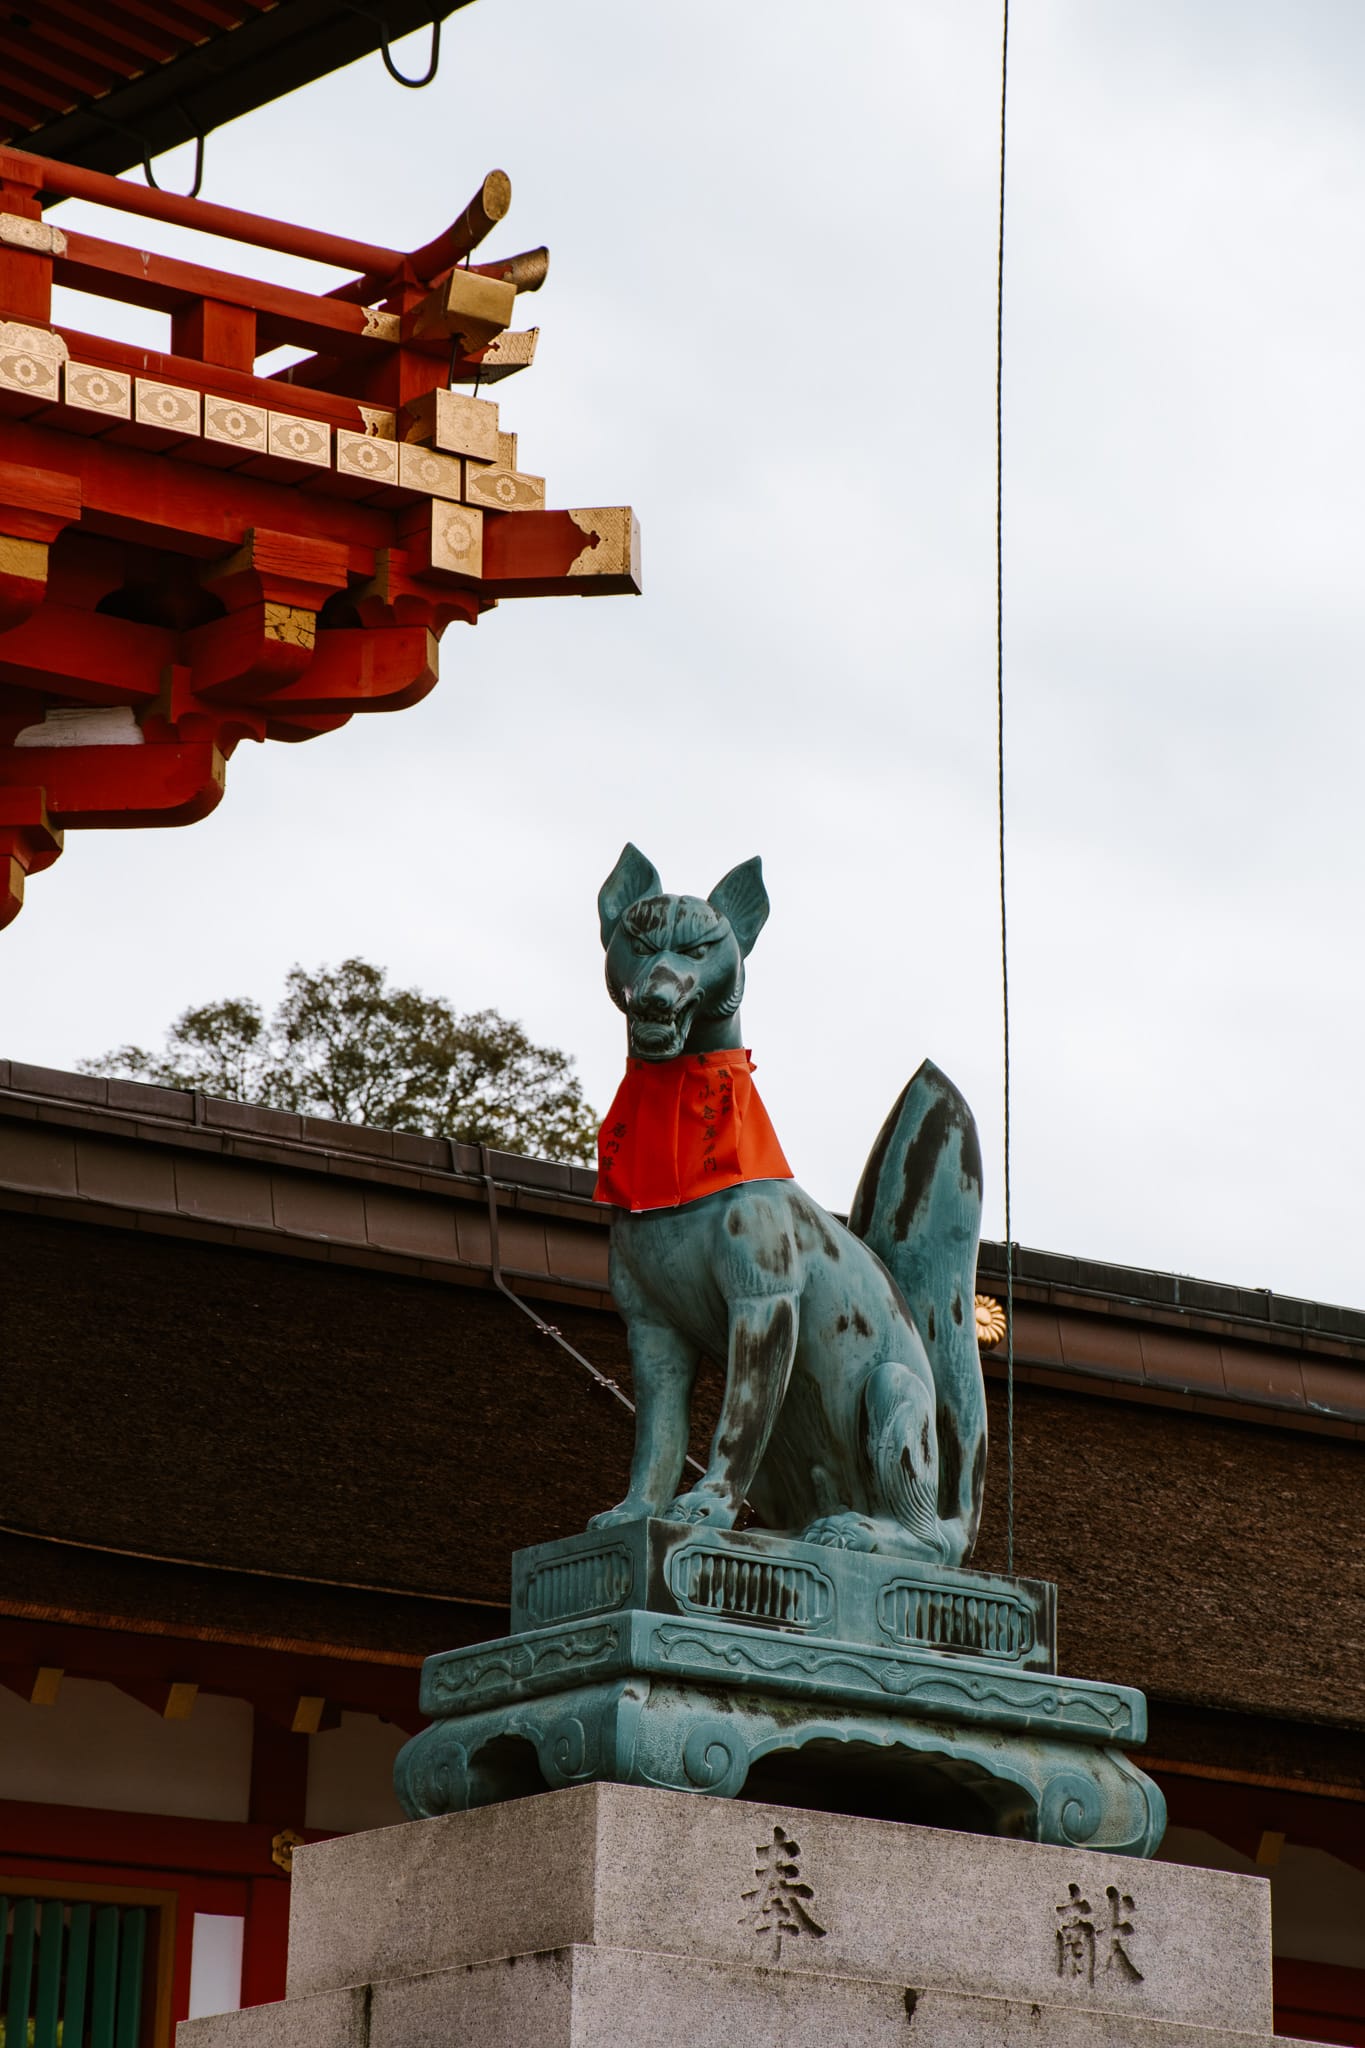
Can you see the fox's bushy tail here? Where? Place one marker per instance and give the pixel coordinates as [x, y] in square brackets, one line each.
[918, 1207]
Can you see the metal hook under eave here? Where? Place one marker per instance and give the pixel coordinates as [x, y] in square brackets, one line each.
[193, 192]
[414, 84]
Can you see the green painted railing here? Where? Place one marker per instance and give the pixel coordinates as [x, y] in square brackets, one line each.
[71, 1974]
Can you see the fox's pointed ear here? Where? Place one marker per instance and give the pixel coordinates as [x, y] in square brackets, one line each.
[631, 878]
[743, 900]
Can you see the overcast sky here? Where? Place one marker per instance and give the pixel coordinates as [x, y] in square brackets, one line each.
[770, 327]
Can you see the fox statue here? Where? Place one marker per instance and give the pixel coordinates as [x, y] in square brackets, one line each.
[854, 1410]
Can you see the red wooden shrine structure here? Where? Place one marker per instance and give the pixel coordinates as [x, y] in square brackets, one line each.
[193, 553]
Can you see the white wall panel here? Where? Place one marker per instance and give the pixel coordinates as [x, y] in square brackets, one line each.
[96, 1746]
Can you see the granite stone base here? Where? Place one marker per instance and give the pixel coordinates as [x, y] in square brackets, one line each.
[620, 1998]
[610, 1916]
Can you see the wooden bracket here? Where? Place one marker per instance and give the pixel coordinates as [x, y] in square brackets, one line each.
[29, 842]
[468, 306]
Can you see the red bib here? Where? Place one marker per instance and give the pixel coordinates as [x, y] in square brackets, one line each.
[682, 1128]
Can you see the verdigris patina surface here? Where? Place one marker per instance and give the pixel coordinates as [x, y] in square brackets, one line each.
[854, 1411]
[843, 1655]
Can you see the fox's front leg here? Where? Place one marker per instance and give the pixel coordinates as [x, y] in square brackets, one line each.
[762, 1349]
[663, 1365]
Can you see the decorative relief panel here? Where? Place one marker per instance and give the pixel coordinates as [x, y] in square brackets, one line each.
[456, 538]
[97, 390]
[460, 425]
[938, 1618]
[30, 359]
[566, 1587]
[720, 1582]
[367, 455]
[513, 349]
[503, 490]
[990, 1321]
[420, 469]
[968, 1691]
[613, 544]
[20, 231]
[245, 426]
[166, 405]
[498, 1670]
[300, 440]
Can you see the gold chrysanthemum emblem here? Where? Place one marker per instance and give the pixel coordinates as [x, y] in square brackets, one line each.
[990, 1321]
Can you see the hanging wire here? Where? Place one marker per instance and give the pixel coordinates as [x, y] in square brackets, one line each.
[552, 1330]
[1000, 773]
[608, 1386]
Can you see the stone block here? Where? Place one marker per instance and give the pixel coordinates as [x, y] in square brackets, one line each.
[624, 1998]
[396, 1902]
[334, 2019]
[750, 1888]
[628, 1998]
[522, 2001]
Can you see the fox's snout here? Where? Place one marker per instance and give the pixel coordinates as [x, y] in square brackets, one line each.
[658, 999]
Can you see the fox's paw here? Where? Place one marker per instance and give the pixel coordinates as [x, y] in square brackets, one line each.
[629, 1511]
[701, 1505]
[845, 1531]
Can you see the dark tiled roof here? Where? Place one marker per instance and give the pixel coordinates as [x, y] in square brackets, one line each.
[156, 76]
[178, 1164]
[317, 1135]
[1139, 1288]
[268, 1353]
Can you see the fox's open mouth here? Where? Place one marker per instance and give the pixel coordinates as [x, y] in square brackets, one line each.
[660, 1038]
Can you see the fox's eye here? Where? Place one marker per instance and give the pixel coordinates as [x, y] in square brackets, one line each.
[638, 946]
[696, 952]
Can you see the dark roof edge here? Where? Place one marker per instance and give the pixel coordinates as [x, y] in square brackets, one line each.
[243, 66]
[181, 1108]
[1141, 1288]
[146, 1104]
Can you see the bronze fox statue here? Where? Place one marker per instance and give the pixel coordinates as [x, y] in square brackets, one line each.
[854, 1410]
